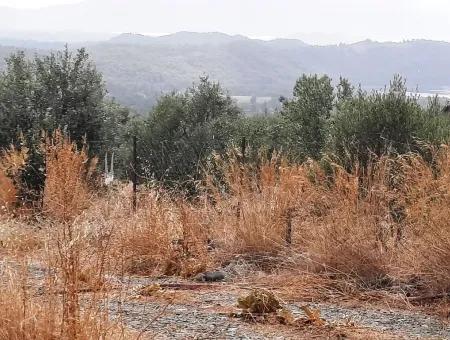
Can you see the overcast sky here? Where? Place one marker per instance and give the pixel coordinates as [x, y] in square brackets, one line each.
[321, 20]
[34, 3]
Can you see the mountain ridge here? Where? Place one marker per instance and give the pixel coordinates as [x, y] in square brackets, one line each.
[138, 73]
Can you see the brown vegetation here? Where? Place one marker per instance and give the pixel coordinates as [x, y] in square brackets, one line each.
[386, 224]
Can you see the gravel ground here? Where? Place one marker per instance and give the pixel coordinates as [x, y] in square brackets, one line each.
[204, 315]
[411, 325]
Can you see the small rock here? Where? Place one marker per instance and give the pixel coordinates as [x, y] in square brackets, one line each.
[210, 277]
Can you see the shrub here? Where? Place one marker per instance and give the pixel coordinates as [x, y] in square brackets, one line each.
[382, 123]
[182, 131]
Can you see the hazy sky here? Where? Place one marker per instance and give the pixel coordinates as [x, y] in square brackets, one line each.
[34, 3]
[320, 20]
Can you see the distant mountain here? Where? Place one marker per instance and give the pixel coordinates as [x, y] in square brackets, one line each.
[178, 39]
[137, 68]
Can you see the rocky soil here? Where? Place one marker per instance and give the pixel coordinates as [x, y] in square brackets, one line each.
[171, 308]
[202, 311]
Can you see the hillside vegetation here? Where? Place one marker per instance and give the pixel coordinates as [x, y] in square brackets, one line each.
[342, 194]
[137, 69]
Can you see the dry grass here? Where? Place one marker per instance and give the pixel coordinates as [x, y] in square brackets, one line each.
[25, 316]
[12, 161]
[387, 225]
[163, 236]
[426, 242]
[66, 192]
[18, 238]
[8, 194]
[74, 251]
[252, 207]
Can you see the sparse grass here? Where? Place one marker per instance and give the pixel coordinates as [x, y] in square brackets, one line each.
[23, 315]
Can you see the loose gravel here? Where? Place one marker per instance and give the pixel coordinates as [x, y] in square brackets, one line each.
[204, 316]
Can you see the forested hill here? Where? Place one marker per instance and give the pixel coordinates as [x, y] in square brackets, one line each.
[138, 68]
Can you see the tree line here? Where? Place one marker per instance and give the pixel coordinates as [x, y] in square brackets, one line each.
[184, 129]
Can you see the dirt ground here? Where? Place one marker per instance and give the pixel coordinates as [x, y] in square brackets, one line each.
[185, 310]
[174, 308]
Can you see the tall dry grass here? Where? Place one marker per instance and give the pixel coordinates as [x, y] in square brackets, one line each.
[68, 170]
[253, 205]
[12, 162]
[386, 224]
[426, 240]
[75, 255]
[166, 235]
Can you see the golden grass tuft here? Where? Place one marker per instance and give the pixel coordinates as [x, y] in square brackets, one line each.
[66, 192]
[252, 207]
[8, 194]
[12, 161]
[165, 235]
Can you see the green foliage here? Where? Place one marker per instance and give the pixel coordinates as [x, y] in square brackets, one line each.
[64, 90]
[344, 90]
[267, 134]
[17, 98]
[61, 90]
[308, 113]
[69, 95]
[183, 130]
[382, 123]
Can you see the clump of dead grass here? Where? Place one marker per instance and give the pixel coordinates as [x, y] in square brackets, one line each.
[165, 235]
[425, 251]
[252, 205]
[12, 162]
[342, 231]
[68, 170]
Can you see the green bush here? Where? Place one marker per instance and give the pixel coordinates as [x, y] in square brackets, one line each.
[182, 131]
[381, 123]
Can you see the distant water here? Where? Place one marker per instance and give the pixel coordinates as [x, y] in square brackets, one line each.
[432, 93]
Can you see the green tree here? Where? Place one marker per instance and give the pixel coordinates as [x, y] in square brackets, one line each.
[183, 130]
[344, 90]
[376, 124]
[308, 112]
[62, 90]
[70, 94]
[17, 100]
